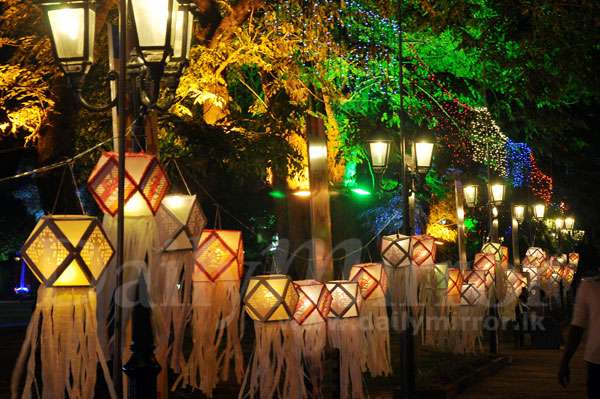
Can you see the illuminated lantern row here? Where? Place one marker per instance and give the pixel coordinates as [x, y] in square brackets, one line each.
[455, 281]
[534, 257]
[270, 298]
[486, 263]
[67, 251]
[516, 280]
[220, 256]
[346, 299]
[181, 221]
[422, 250]
[371, 279]
[145, 184]
[314, 302]
[395, 250]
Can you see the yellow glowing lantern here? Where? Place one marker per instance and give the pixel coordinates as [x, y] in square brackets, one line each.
[574, 259]
[486, 263]
[534, 257]
[67, 251]
[422, 250]
[181, 221]
[395, 250]
[455, 281]
[371, 279]
[314, 302]
[145, 184]
[346, 299]
[270, 297]
[220, 256]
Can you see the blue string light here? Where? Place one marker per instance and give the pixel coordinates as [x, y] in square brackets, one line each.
[518, 163]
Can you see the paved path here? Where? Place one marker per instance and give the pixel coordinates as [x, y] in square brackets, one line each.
[532, 375]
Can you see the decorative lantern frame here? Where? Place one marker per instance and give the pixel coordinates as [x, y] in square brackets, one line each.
[314, 302]
[423, 250]
[516, 280]
[470, 295]
[181, 220]
[270, 297]
[487, 264]
[395, 250]
[535, 257]
[346, 299]
[455, 281]
[219, 256]
[68, 251]
[371, 278]
[145, 183]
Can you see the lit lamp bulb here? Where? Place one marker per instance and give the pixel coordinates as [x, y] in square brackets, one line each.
[67, 22]
[424, 153]
[569, 223]
[379, 151]
[539, 210]
[497, 193]
[471, 193]
[519, 213]
[559, 223]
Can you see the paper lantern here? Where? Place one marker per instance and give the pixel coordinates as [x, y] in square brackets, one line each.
[504, 262]
[314, 302]
[487, 264]
[180, 221]
[371, 279]
[516, 280]
[346, 299]
[533, 275]
[534, 257]
[470, 295]
[455, 281]
[422, 250]
[270, 297]
[494, 249]
[440, 271]
[567, 274]
[67, 251]
[395, 250]
[477, 278]
[145, 184]
[574, 259]
[220, 256]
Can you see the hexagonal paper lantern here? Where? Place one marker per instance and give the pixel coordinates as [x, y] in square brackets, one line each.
[422, 250]
[574, 259]
[470, 295]
[516, 280]
[487, 264]
[270, 297]
[534, 257]
[455, 281]
[67, 251]
[533, 275]
[440, 272]
[145, 183]
[494, 249]
[371, 279]
[180, 220]
[567, 274]
[476, 278]
[314, 302]
[219, 257]
[346, 299]
[395, 250]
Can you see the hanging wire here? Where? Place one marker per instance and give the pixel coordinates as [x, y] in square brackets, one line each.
[217, 216]
[76, 189]
[187, 188]
[60, 185]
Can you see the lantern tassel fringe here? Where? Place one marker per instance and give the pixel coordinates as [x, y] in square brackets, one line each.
[375, 328]
[68, 343]
[345, 335]
[312, 340]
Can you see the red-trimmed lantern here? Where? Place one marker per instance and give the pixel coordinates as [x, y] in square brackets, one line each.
[486, 263]
[314, 302]
[477, 278]
[220, 256]
[534, 257]
[146, 184]
[574, 259]
[181, 221]
[455, 281]
[371, 278]
[470, 295]
[395, 250]
[422, 250]
[346, 299]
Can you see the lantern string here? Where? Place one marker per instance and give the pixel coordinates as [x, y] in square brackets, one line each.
[76, 189]
[59, 190]
[217, 216]
[182, 177]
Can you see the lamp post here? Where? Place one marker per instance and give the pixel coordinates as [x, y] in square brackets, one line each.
[163, 30]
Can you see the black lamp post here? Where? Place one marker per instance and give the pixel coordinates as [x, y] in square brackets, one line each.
[164, 32]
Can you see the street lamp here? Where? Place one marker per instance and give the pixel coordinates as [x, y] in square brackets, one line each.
[152, 22]
[379, 151]
[539, 210]
[559, 223]
[497, 192]
[519, 213]
[471, 194]
[423, 156]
